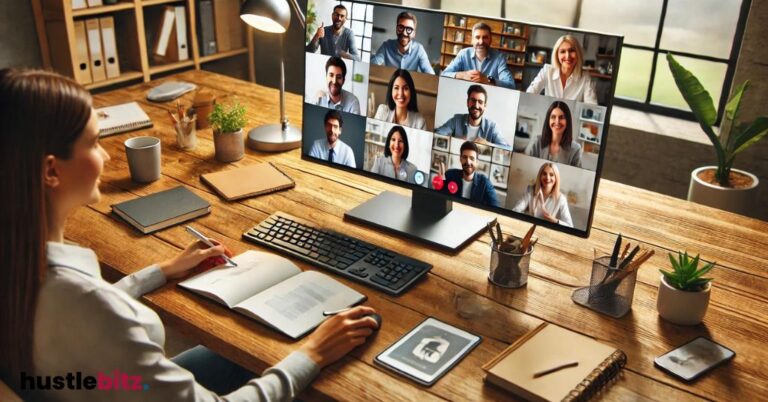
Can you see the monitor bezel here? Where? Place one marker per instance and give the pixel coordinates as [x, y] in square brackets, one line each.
[498, 210]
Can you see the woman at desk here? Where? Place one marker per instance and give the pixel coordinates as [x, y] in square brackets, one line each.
[565, 78]
[402, 104]
[394, 163]
[59, 316]
[556, 140]
[544, 199]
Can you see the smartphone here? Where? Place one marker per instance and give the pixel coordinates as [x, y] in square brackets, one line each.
[691, 360]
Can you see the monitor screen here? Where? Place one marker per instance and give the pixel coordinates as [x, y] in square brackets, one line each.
[503, 115]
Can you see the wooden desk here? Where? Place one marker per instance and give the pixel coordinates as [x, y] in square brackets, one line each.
[457, 290]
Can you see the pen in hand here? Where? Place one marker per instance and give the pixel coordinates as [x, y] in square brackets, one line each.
[208, 243]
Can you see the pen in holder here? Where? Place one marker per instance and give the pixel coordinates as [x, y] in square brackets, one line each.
[186, 134]
[510, 257]
[610, 290]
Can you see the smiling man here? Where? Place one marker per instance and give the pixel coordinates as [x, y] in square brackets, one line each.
[480, 63]
[469, 184]
[404, 52]
[336, 97]
[335, 40]
[473, 126]
[332, 149]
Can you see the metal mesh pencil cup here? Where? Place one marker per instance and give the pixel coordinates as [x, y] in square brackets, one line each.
[509, 270]
[609, 292]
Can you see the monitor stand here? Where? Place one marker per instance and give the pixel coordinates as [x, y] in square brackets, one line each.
[423, 216]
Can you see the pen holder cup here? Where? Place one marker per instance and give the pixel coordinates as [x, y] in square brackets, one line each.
[186, 135]
[610, 289]
[508, 269]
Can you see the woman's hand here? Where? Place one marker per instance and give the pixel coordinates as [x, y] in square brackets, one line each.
[194, 255]
[338, 335]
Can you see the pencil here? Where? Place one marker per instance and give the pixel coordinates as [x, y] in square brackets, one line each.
[553, 369]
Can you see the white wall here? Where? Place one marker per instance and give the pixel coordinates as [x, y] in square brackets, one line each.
[315, 80]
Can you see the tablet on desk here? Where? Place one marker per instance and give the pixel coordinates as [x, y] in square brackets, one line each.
[690, 361]
[428, 351]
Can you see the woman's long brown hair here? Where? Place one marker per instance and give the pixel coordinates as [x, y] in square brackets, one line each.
[41, 113]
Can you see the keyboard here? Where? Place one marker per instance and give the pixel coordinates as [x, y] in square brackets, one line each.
[382, 269]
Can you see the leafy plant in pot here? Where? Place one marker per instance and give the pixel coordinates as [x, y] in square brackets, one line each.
[228, 138]
[683, 291]
[721, 186]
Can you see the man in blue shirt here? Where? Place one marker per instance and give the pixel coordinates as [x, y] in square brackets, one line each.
[332, 149]
[336, 97]
[480, 63]
[466, 182]
[335, 40]
[473, 126]
[404, 52]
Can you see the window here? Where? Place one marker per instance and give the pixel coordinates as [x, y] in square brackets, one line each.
[704, 35]
[361, 22]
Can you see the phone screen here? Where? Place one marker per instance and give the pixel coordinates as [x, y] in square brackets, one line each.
[694, 358]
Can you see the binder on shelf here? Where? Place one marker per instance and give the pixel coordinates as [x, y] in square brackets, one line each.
[94, 3]
[111, 62]
[94, 50]
[208, 44]
[78, 4]
[164, 49]
[83, 67]
[181, 33]
[228, 27]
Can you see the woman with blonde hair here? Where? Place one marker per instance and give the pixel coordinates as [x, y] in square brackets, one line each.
[544, 200]
[59, 317]
[565, 78]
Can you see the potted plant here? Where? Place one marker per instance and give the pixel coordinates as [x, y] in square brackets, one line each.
[228, 139]
[721, 186]
[683, 291]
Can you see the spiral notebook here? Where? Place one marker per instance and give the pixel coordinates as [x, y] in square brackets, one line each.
[248, 181]
[121, 118]
[552, 363]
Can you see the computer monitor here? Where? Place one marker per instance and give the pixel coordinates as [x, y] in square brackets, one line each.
[500, 114]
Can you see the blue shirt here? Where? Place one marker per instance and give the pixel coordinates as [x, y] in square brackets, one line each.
[494, 65]
[348, 103]
[458, 126]
[414, 59]
[343, 154]
[331, 45]
[482, 188]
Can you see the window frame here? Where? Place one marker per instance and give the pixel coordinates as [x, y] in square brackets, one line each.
[351, 19]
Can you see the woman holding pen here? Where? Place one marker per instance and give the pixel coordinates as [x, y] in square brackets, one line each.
[57, 313]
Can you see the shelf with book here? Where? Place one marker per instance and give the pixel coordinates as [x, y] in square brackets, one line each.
[124, 77]
[84, 12]
[224, 55]
[146, 3]
[162, 68]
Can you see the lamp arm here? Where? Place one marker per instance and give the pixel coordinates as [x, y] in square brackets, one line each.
[302, 19]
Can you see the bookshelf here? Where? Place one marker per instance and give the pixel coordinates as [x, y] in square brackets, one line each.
[510, 39]
[134, 24]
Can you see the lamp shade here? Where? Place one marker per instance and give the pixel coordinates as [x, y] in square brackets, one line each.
[267, 15]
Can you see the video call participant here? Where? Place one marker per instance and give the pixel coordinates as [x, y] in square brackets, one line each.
[337, 97]
[394, 162]
[480, 63]
[332, 149]
[335, 40]
[544, 199]
[404, 52]
[402, 105]
[556, 140]
[59, 316]
[472, 125]
[565, 78]
[472, 185]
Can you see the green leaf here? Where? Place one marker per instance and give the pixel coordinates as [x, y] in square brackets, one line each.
[734, 104]
[756, 132]
[674, 263]
[671, 278]
[703, 270]
[692, 267]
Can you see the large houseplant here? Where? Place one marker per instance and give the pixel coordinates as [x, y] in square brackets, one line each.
[228, 139]
[721, 186]
[684, 291]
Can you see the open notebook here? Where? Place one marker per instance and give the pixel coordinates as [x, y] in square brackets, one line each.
[274, 291]
[121, 118]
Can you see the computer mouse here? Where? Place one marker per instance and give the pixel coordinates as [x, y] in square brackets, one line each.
[376, 318]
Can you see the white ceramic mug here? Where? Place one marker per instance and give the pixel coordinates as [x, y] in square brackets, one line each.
[143, 158]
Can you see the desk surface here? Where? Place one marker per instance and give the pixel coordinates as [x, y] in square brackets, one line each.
[456, 290]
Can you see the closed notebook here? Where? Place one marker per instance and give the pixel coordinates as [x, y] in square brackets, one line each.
[161, 210]
[248, 181]
[550, 346]
[121, 118]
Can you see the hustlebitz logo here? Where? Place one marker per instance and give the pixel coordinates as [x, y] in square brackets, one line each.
[114, 381]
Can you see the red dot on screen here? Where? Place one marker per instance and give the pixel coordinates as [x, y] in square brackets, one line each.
[437, 183]
[453, 187]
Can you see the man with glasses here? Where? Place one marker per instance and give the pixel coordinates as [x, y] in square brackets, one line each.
[336, 97]
[472, 126]
[404, 52]
[335, 40]
[480, 63]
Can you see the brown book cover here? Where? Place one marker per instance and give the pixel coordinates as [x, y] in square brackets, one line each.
[547, 347]
[248, 181]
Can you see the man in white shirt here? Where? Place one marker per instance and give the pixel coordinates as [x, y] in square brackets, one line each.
[332, 148]
[337, 97]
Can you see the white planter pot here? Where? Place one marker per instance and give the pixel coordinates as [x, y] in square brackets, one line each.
[681, 307]
[740, 201]
[229, 147]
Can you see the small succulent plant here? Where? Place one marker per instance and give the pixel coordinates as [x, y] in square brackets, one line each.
[685, 274]
[227, 119]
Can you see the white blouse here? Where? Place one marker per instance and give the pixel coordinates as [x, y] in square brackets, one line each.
[580, 88]
[556, 206]
[414, 119]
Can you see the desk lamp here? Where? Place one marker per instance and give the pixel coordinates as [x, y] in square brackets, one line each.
[273, 16]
